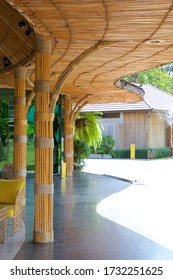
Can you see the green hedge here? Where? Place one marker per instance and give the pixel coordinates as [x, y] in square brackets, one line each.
[162, 152]
[142, 153]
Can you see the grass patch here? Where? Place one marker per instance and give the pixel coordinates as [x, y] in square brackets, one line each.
[30, 155]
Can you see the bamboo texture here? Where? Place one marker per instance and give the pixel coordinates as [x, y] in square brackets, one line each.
[17, 220]
[94, 43]
[20, 124]
[43, 216]
[3, 224]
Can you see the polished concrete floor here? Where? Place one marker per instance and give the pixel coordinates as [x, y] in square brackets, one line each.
[80, 232]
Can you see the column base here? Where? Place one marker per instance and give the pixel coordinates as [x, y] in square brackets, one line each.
[45, 237]
[70, 174]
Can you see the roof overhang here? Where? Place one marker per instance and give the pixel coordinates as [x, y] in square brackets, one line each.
[106, 40]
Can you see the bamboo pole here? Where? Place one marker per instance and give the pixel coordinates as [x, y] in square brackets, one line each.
[68, 136]
[43, 189]
[20, 124]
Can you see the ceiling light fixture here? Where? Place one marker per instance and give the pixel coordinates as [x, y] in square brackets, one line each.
[154, 41]
[28, 31]
[5, 59]
[7, 62]
[22, 24]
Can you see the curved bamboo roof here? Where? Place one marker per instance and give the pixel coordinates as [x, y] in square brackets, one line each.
[96, 42]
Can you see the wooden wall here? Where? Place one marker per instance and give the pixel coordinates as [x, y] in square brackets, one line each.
[114, 128]
[135, 129]
[156, 130]
[144, 129]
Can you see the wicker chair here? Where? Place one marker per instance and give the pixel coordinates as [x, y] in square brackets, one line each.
[12, 197]
[16, 221]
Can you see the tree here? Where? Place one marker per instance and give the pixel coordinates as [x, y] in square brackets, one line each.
[3, 117]
[30, 132]
[3, 129]
[158, 77]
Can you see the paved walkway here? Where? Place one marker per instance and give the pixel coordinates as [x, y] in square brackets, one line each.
[99, 217]
[81, 229]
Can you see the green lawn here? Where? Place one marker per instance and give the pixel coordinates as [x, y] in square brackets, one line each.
[30, 155]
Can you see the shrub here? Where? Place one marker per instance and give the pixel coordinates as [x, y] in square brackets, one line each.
[162, 152]
[81, 152]
[106, 145]
[121, 154]
[142, 153]
[113, 153]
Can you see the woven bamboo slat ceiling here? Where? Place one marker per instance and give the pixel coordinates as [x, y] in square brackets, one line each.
[101, 41]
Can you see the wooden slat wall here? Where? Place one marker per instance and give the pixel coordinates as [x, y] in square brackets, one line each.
[169, 131]
[144, 129]
[168, 136]
[156, 130]
[114, 128]
[135, 129]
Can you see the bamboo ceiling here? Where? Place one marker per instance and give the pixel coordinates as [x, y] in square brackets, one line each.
[96, 42]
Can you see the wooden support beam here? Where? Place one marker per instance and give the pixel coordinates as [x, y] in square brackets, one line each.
[20, 123]
[43, 189]
[68, 136]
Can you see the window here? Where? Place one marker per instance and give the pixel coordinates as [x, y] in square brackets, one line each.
[111, 115]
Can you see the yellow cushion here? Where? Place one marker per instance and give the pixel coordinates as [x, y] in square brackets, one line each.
[10, 209]
[8, 190]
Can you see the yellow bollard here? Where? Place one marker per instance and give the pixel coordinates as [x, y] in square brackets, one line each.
[63, 170]
[132, 151]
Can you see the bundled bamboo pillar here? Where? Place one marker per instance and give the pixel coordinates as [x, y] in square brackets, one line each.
[20, 123]
[68, 136]
[43, 215]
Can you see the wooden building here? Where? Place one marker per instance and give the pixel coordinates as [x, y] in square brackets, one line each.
[147, 124]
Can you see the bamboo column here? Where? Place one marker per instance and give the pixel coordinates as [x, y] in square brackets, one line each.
[20, 123]
[43, 189]
[68, 136]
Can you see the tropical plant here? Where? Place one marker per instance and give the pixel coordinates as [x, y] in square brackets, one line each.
[81, 152]
[87, 129]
